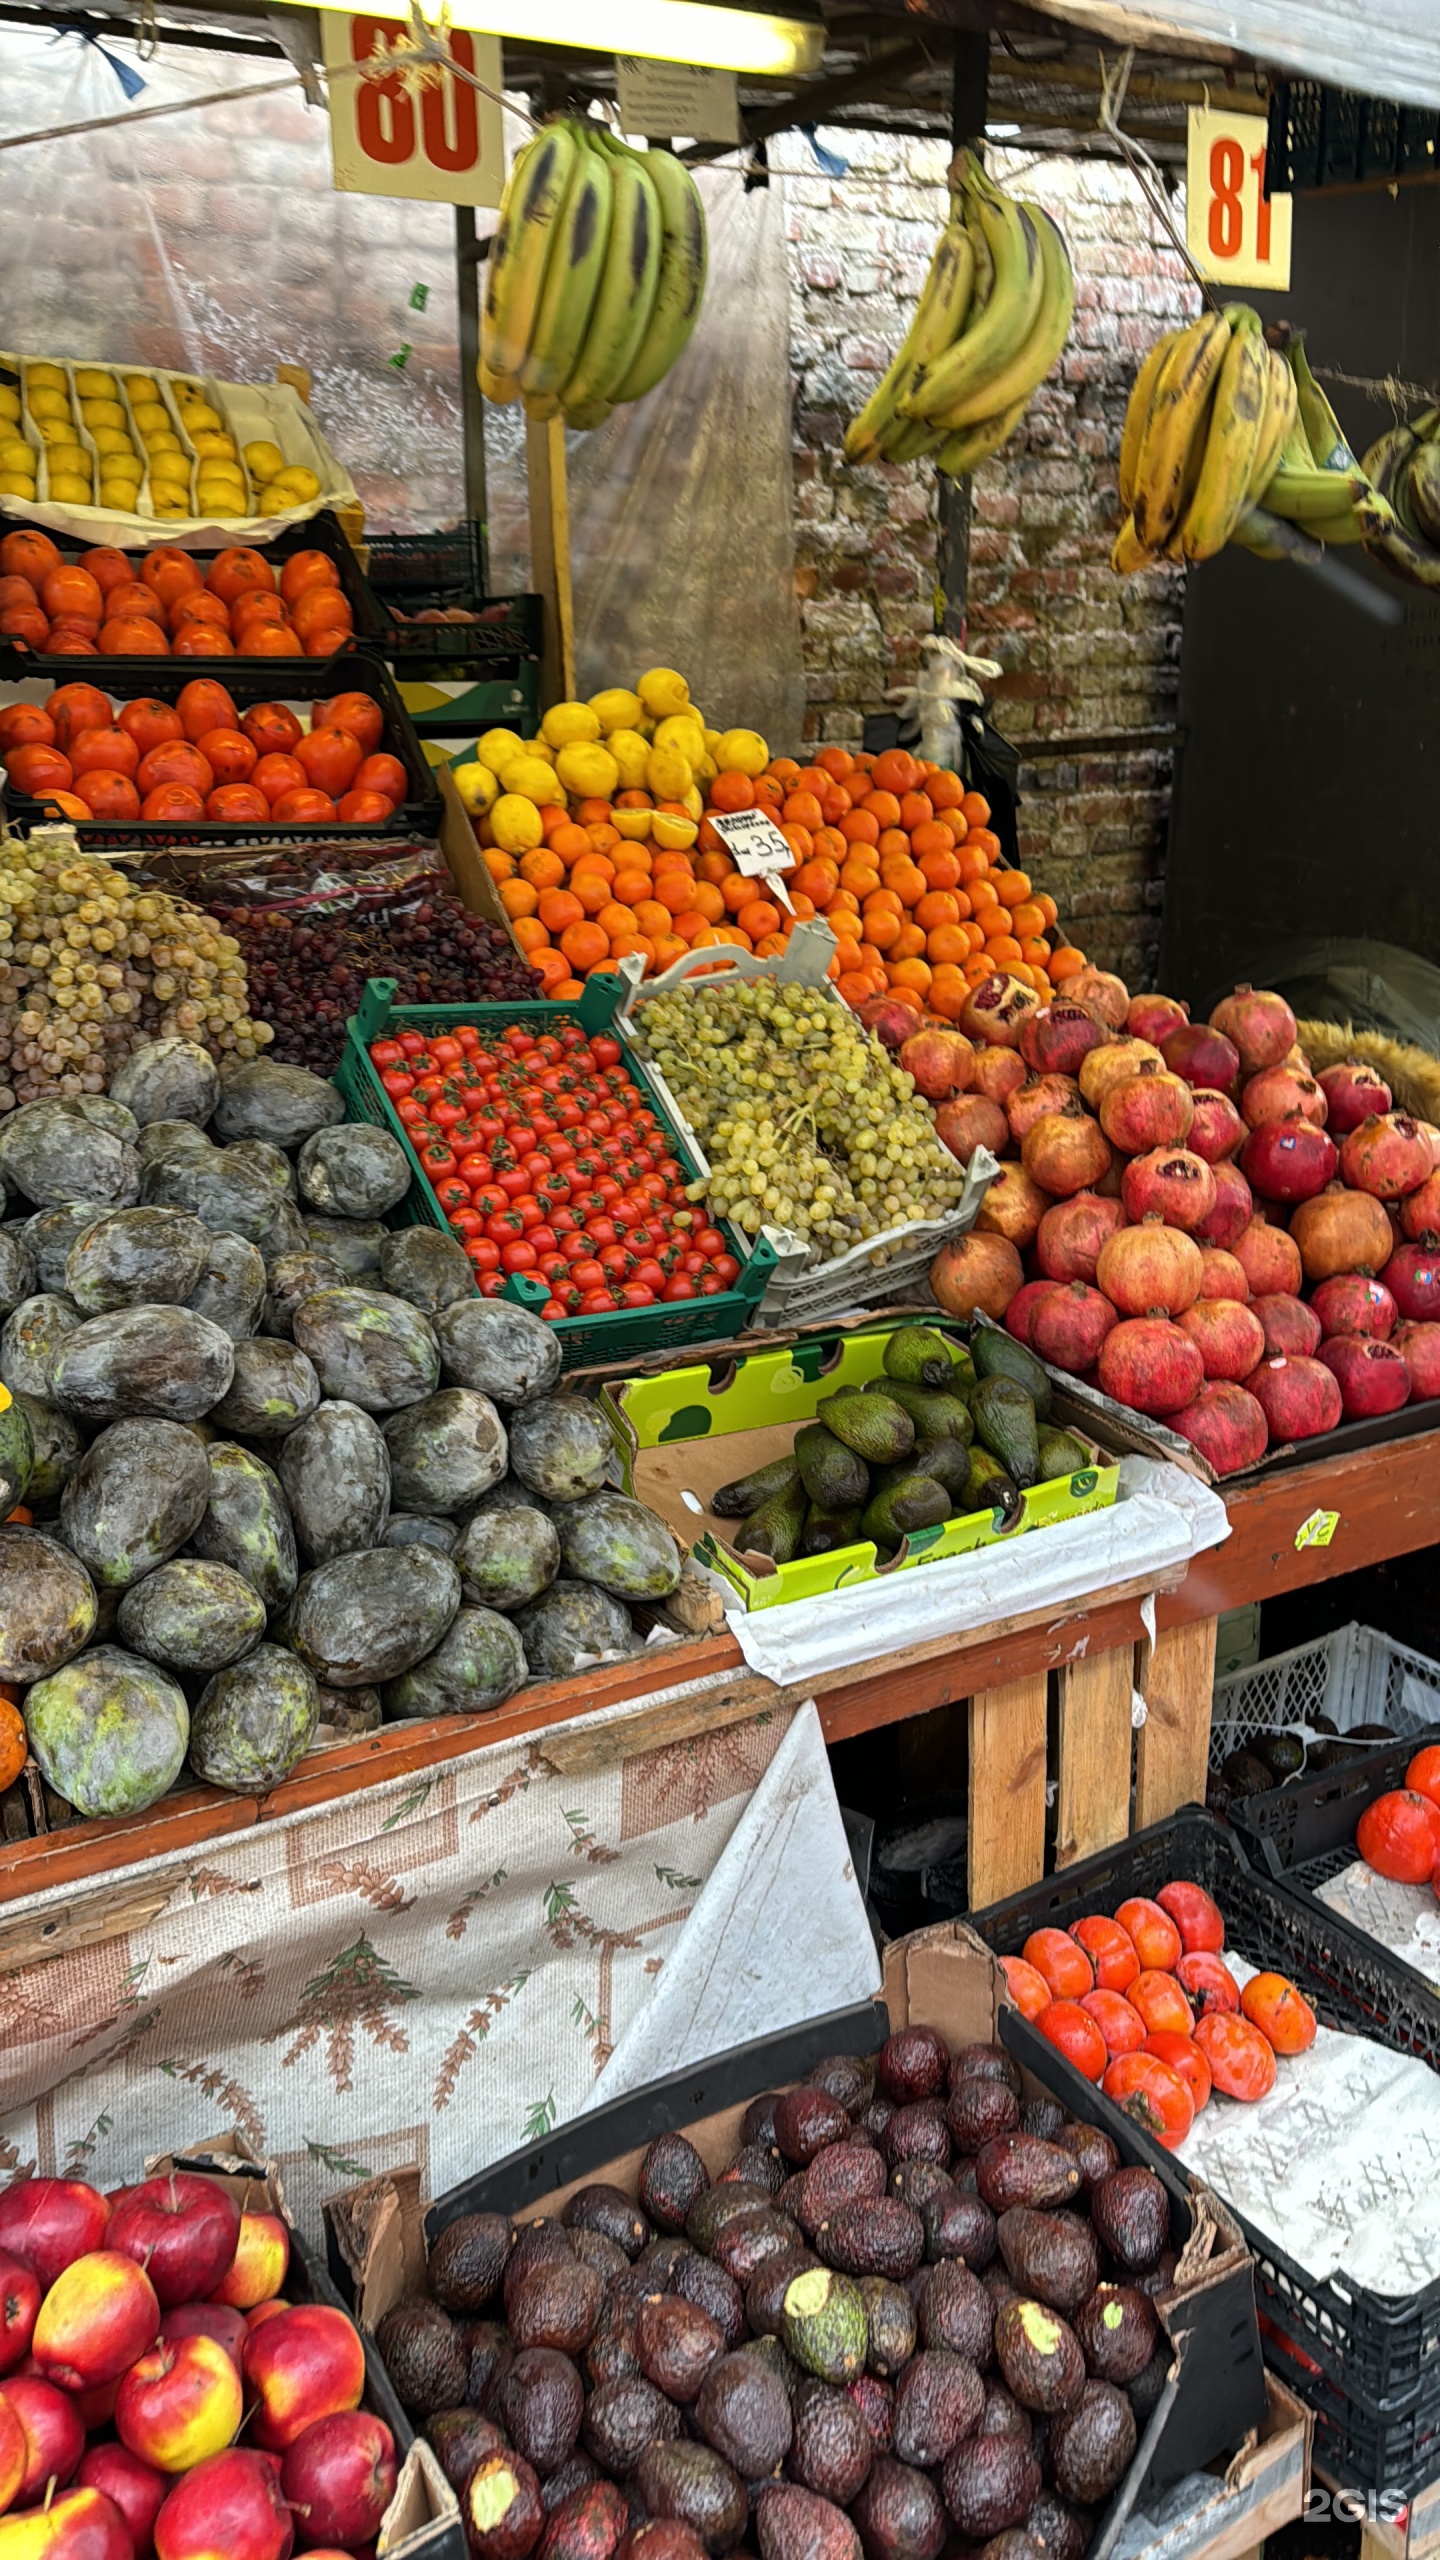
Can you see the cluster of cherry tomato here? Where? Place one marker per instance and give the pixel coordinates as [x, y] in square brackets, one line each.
[168, 604]
[545, 1158]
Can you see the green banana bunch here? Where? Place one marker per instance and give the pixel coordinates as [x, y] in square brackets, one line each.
[1405, 469]
[596, 275]
[993, 317]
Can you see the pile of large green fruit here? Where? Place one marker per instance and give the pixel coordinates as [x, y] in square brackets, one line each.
[277, 1464]
[941, 1431]
[914, 2312]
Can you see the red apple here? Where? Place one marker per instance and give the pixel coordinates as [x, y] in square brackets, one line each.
[130, 2485]
[180, 2403]
[19, 2303]
[54, 2436]
[207, 2320]
[258, 2268]
[229, 2508]
[306, 2365]
[95, 2320]
[264, 2311]
[47, 2222]
[14, 2454]
[182, 2230]
[339, 2478]
[96, 2407]
[83, 2525]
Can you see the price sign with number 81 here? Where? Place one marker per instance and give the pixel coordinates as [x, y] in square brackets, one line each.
[1234, 232]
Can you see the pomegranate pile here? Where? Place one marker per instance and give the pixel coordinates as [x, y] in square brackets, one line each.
[1186, 1217]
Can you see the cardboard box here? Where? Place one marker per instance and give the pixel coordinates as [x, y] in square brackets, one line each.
[685, 1433]
[1265, 2485]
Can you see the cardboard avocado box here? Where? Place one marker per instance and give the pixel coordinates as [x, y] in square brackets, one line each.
[687, 1432]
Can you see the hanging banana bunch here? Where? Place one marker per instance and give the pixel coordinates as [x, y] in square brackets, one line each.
[993, 317]
[596, 275]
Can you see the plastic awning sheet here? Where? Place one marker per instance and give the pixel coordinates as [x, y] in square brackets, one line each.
[1382, 48]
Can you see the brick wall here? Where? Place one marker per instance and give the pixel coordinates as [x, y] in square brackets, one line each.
[1084, 652]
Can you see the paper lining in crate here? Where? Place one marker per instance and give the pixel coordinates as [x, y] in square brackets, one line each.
[110, 415]
[685, 1433]
[802, 1290]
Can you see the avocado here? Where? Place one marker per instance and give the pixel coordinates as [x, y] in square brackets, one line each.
[535, 2242]
[461, 2438]
[825, 2324]
[955, 2311]
[744, 2245]
[833, 1476]
[467, 2262]
[918, 1356]
[1118, 2332]
[806, 2119]
[1245, 1774]
[915, 1502]
[1282, 1753]
[699, 2280]
[899, 2514]
[759, 2166]
[1094, 2151]
[1039, 2355]
[743, 2411]
[889, 2326]
[1092, 2445]
[793, 2524]
[542, 2400]
[825, 1531]
[1004, 1417]
[591, 2518]
[658, 2261]
[1144, 2392]
[997, 1354]
[959, 2225]
[1002, 2415]
[918, 2132]
[622, 2417]
[990, 2483]
[554, 2302]
[878, 2237]
[1131, 2213]
[774, 1528]
[1052, 2256]
[948, 1461]
[503, 2510]
[696, 2486]
[677, 2343]
[1044, 2118]
[718, 2205]
[980, 2111]
[607, 2257]
[604, 2208]
[1061, 1454]
[874, 1426]
[1019, 2169]
[990, 1487]
[938, 2400]
[612, 2354]
[1061, 2533]
[672, 2178]
[843, 2173]
[486, 2346]
[937, 1416]
[423, 2357]
[832, 2448]
[735, 1501]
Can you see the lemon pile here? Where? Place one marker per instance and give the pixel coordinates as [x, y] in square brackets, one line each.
[281, 485]
[653, 739]
[110, 476]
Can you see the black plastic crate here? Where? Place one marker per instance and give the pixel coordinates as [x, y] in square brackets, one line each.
[1378, 2355]
[306, 680]
[20, 664]
[415, 570]
[1303, 1832]
[448, 567]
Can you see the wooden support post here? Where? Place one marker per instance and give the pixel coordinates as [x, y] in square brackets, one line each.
[1173, 1745]
[1007, 1789]
[472, 406]
[1095, 1730]
[550, 554]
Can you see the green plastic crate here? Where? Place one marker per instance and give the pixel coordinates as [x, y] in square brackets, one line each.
[630, 1333]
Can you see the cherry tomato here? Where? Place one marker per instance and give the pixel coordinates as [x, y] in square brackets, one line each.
[528, 1211]
[492, 1284]
[505, 1227]
[677, 1289]
[598, 1302]
[544, 1239]
[709, 1240]
[727, 1269]
[409, 1110]
[484, 1255]
[448, 1115]
[437, 1158]
[512, 1182]
[608, 1189]
[615, 1261]
[487, 1197]
[518, 1257]
[564, 1222]
[576, 1248]
[552, 1311]
[649, 1275]
[465, 1222]
[635, 1294]
[453, 1195]
[605, 1051]
[602, 1231]
[385, 1053]
[588, 1274]
[396, 1084]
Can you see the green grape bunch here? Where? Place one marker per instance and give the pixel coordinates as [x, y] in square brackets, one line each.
[807, 1121]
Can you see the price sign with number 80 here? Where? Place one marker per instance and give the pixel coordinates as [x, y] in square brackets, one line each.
[1235, 233]
[390, 137]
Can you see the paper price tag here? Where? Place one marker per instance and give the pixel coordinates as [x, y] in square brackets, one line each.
[1318, 1530]
[755, 844]
[668, 99]
[1234, 232]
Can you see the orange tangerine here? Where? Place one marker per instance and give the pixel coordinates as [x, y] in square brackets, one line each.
[518, 898]
[975, 808]
[689, 924]
[542, 868]
[882, 928]
[946, 790]
[815, 878]
[758, 918]
[802, 809]
[652, 918]
[553, 816]
[836, 761]
[784, 769]
[615, 919]
[501, 866]
[592, 813]
[669, 947]
[859, 875]
[947, 992]
[915, 808]
[622, 944]
[1035, 949]
[909, 943]
[603, 838]
[529, 932]
[737, 892]
[1012, 887]
[1006, 953]
[564, 990]
[769, 794]
[934, 844]
[631, 885]
[800, 841]
[860, 826]
[730, 791]
[583, 944]
[557, 908]
[591, 888]
[935, 908]
[734, 933]
[802, 907]
[947, 944]
[770, 944]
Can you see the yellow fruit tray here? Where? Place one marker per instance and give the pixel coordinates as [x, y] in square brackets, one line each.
[682, 1435]
[136, 456]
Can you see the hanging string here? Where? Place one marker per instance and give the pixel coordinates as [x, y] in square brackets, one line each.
[1143, 169]
[1389, 389]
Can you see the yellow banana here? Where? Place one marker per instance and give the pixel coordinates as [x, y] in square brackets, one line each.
[1229, 450]
[1032, 360]
[626, 294]
[979, 357]
[680, 290]
[968, 447]
[1129, 552]
[1179, 414]
[1307, 497]
[1323, 432]
[534, 200]
[1275, 426]
[939, 315]
[1274, 538]
[572, 280]
[1137, 413]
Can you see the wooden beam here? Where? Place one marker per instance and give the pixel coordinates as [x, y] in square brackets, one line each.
[1172, 1750]
[1095, 1735]
[1007, 1789]
[550, 554]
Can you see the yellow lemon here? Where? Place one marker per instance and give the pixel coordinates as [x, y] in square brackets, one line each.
[14, 485]
[49, 401]
[635, 824]
[693, 801]
[668, 773]
[122, 495]
[616, 708]
[92, 384]
[302, 484]
[111, 440]
[682, 732]
[645, 728]
[214, 442]
[631, 753]
[742, 751]
[532, 779]
[198, 413]
[70, 489]
[70, 461]
[142, 386]
[275, 501]
[497, 749]
[9, 402]
[102, 413]
[477, 787]
[265, 460]
[56, 430]
[126, 468]
[152, 418]
[161, 440]
[516, 824]
[673, 834]
[170, 504]
[589, 771]
[712, 740]
[39, 377]
[662, 691]
[706, 769]
[570, 724]
[16, 455]
[171, 467]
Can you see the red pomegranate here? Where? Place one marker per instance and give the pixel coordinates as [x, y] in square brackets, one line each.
[1222, 1276]
[1269, 1258]
[1171, 1184]
[1279, 1093]
[1300, 1398]
[997, 1074]
[1340, 1231]
[1054, 1040]
[1065, 1152]
[970, 1121]
[1070, 1325]
[1288, 1160]
[1216, 1129]
[976, 1274]
[1100, 991]
[996, 1009]
[1412, 1276]
[1354, 1092]
[1351, 1303]
[1150, 1269]
[942, 1062]
[1373, 1376]
[1292, 1330]
[1105, 1068]
[1151, 1109]
[1227, 1336]
[1150, 1365]
[1388, 1155]
[1205, 1058]
[893, 1023]
[1035, 1097]
[1419, 1348]
[1420, 1210]
[1013, 1206]
[1071, 1234]
[1227, 1426]
[1261, 1026]
[1023, 1305]
[1233, 1210]
[1155, 1017]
